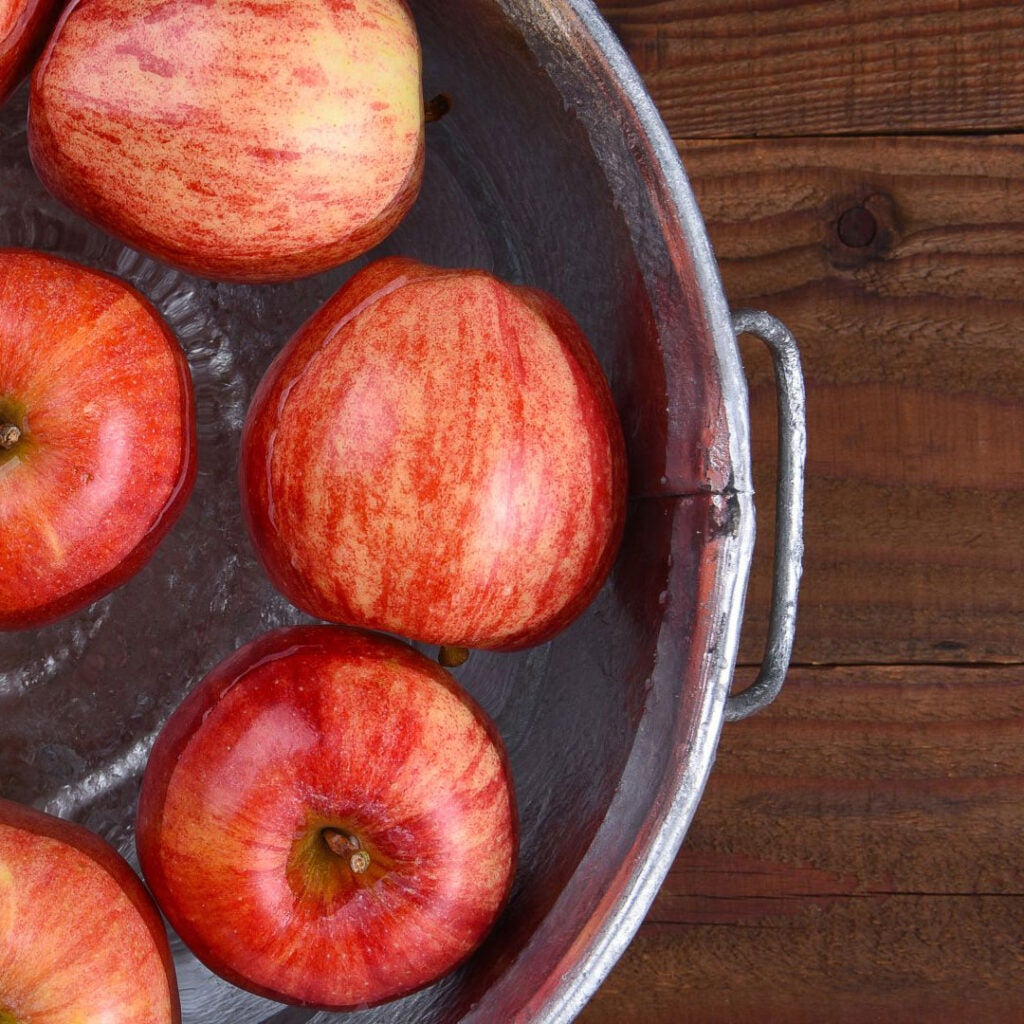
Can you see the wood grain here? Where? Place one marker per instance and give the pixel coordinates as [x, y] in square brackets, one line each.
[856, 857]
[721, 68]
[915, 379]
[900, 960]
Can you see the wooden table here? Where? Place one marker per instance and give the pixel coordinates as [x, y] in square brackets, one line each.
[859, 852]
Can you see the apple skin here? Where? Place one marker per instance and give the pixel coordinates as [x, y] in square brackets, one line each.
[24, 27]
[256, 141]
[436, 453]
[80, 938]
[102, 395]
[314, 728]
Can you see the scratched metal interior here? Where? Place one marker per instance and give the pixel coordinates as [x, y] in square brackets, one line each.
[541, 173]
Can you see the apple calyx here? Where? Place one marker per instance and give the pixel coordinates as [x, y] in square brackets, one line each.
[10, 435]
[6, 1017]
[329, 864]
[344, 844]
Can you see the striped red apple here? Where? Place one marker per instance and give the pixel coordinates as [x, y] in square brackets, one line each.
[328, 819]
[254, 141]
[24, 26]
[97, 435]
[80, 938]
[436, 453]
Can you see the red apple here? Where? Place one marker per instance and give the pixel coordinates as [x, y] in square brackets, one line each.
[252, 141]
[328, 819]
[436, 454]
[24, 26]
[97, 435]
[80, 938]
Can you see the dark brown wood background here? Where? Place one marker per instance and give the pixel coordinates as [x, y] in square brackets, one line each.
[859, 852]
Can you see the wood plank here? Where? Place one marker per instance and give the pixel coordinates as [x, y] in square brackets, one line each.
[774, 67]
[882, 780]
[911, 349]
[856, 857]
[901, 960]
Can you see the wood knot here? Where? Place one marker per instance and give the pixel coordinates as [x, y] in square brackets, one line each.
[861, 228]
[857, 227]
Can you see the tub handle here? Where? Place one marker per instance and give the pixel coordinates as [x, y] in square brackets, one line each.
[789, 511]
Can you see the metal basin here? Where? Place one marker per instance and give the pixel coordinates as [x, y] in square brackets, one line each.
[553, 169]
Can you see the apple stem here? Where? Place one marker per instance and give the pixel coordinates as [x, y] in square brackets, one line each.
[10, 435]
[452, 656]
[436, 108]
[344, 844]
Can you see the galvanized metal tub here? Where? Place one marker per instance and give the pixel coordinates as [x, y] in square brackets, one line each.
[553, 169]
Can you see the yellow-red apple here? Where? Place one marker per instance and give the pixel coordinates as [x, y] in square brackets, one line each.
[437, 454]
[97, 435]
[328, 819]
[80, 938]
[253, 141]
[24, 26]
